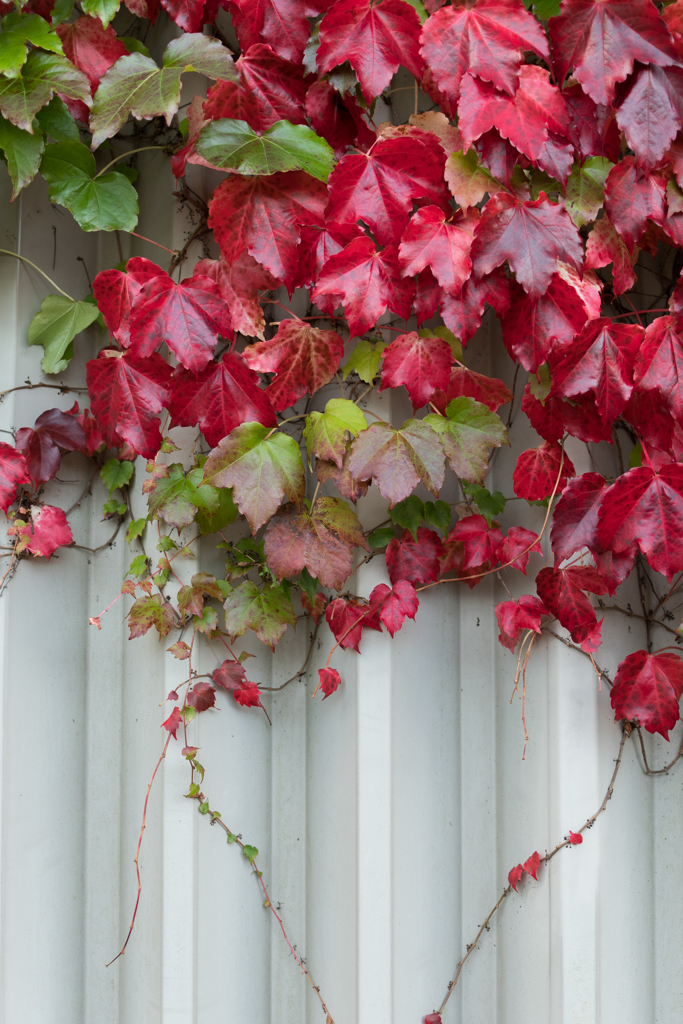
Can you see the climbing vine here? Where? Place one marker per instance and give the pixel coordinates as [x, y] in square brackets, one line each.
[540, 175]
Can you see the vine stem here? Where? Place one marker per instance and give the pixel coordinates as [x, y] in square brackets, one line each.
[122, 156]
[151, 241]
[506, 892]
[64, 388]
[658, 771]
[136, 859]
[16, 255]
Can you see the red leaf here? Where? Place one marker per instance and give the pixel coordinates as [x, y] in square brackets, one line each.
[462, 313]
[533, 328]
[240, 282]
[646, 508]
[329, 680]
[367, 282]
[648, 414]
[537, 469]
[444, 246]
[347, 619]
[515, 876]
[647, 688]
[116, 292]
[262, 216]
[379, 187]
[534, 118]
[487, 39]
[318, 243]
[395, 604]
[575, 519]
[201, 697]
[283, 24]
[12, 474]
[488, 390]
[270, 89]
[422, 364]
[219, 398]
[601, 359]
[93, 434]
[229, 675]
[532, 865]
[602, 40]
[304, 358]
[515, 616]
[315, 609]
[516, 548]
[562, 592]
[337, 118]
[416, 561]
[125, 397]
[172, 723]
[651, 112]
[374, 40]
[605, 246]
[574, 838]
[347, 485]
[632, 196]
[432, 1018]
[592, 128]
[555, 417]
[248, 696]
[481, 541]
[531, 235]
[92, 48]
[659, 366]
[47, 531]
[40, 446]
[188, 316]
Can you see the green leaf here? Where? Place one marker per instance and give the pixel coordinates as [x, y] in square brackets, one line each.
[114, 507]
[443, 332]
[62, 11]
[408, 513]
[308, 583]
[134, 45]
[325, 432]
[365, 360]
[22, 151]
[99, 203]
[438, 514]
[420, 8]
[635, 458]
[42, 75]
[57, 122]
[56, 325]
[267, 611]
[207, 622]
[176, 497]
[148, 612]
[225, 513]
[380, 538]
[468, 180]
[138, 567]
[539, 182]
[224, 587]
[234, 145]
[17, 28]
[490, 505]
[545, 9]
[467, 431]
[586, 189]
[540, 383]
[105, 10]
[135, 84]
[135, 529]
[262, 468]
[166, 544]
[116, 474]
[250, 852]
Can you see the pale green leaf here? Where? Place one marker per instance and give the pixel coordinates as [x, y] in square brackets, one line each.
[365, 360]
[231, 144]
[116, 474]
[41, 77]
[267, 611]
[586, 189]
[17, 29]
[56, 325]
[325, 432]
[103, 203]
[105, 10]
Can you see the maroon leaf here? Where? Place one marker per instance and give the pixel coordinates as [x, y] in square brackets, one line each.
[531, 235]
[562, 592]
[304, 358]
[219, 398]
[575, 519]
[659, 366]
[338, 118]
[13, 473]
[240, 282]
[538, 469]
[188, 317]
[116, 292]
[125, 397]
[92, 48]
[486, 39]
[283, 24]
[329, 681]
[481, 542]
[462, 313]
[416, 561]
[601, 41]
[374, 40]
[229, 675]
[270, 89]
[488, 390]
[516, 548]
[379, 187]
[632, 196]
[347, 619]
[647, 689]
[422, 364]
[605, 246]
[366, 282]
[201, 697]
[263, 215]
[515, 616]
[601, 359]
[395, 604]
[40, 446]
[592, 129]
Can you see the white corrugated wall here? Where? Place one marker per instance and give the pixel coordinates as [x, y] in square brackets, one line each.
[386, 818]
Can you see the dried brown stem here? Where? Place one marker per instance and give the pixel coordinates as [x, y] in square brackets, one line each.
[63, 388]
[567, 643]
[85, 490]
[658, 771]
[136, 859]
[634, 615]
